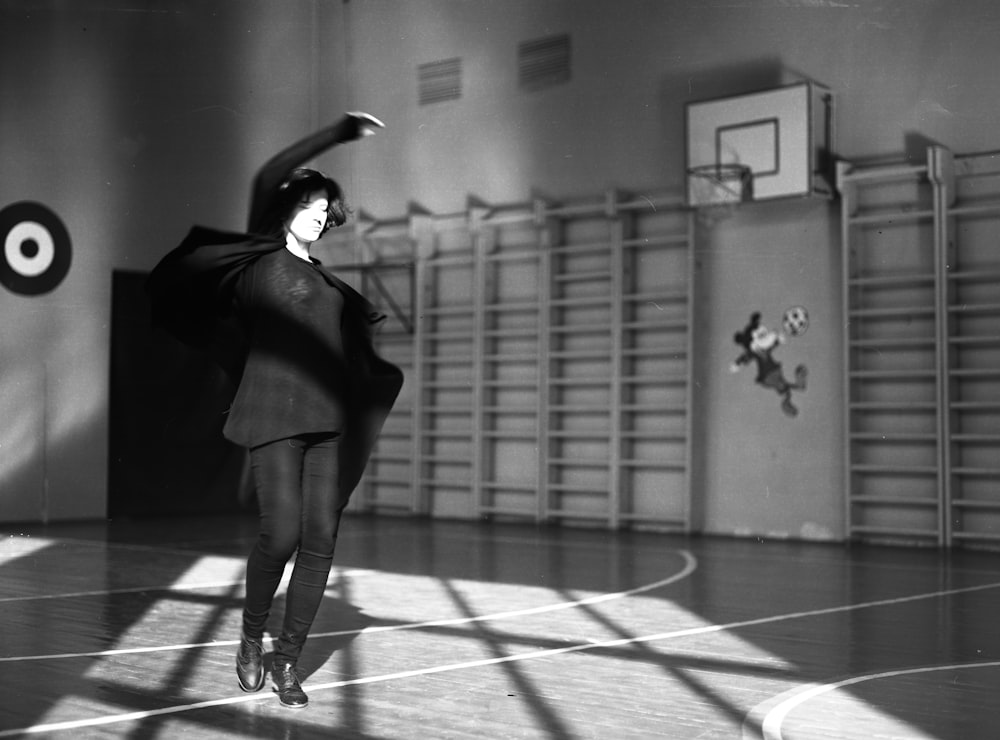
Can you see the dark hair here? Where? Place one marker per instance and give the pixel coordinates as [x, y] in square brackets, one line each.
[299, 184]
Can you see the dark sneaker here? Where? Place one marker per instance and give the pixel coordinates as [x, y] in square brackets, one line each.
[250, 664]
[286, 685]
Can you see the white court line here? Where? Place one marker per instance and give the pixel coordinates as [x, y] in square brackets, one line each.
[132, 716]
[105, 545]
[689, 566]
[771, 726]
[116, 591]
[160, 589]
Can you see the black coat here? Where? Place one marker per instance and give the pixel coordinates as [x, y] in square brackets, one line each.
[191, 293]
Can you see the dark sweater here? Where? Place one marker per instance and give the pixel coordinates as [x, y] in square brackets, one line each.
[295, 377]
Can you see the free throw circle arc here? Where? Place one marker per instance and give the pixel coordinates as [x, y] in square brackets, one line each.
[36, 249]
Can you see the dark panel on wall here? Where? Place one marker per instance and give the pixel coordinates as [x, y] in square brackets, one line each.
[167, 409]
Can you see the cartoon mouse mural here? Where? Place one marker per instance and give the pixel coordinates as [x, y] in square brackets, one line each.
[759, 343]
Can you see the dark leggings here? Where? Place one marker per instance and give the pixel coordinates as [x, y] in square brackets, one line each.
[300, 509]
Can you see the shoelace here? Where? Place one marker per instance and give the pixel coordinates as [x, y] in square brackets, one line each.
[250, 650]
[286, 676]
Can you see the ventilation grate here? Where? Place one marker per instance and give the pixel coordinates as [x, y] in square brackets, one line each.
[543, 62]
[440, 81]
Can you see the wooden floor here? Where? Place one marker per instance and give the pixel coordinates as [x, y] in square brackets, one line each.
[437, 630]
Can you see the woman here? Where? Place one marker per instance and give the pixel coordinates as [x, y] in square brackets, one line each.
[311, 394]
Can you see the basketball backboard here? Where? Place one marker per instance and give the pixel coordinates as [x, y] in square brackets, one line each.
[782, 137]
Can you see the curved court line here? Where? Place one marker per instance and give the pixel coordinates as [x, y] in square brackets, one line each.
[771, 726]
[690, 564]
[95, 721]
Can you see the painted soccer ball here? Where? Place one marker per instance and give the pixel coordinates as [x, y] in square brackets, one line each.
[795, 321]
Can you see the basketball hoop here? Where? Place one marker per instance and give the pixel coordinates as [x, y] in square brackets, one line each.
[716, 189]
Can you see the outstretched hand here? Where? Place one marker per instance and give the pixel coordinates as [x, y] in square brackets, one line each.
[367, 123]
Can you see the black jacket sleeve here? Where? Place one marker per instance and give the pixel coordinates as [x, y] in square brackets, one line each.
[276, 170]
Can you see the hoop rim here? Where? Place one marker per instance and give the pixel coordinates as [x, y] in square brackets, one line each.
[717, 188]
[716, 169]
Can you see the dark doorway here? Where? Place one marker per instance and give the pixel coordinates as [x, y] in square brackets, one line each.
[167, 409]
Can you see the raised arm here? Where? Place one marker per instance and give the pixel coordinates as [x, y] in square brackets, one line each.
[269, 178]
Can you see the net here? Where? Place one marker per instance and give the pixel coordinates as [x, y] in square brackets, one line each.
[715, 190]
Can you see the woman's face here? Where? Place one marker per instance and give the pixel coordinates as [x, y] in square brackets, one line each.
[309, 217]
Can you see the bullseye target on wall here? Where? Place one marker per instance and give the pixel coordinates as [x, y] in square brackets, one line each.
[36, 249]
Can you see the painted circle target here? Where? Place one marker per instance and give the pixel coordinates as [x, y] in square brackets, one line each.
[36, 249]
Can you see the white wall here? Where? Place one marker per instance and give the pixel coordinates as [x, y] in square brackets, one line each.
[133, 125]
[765, 473]
[899, 68]
[904, 73]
